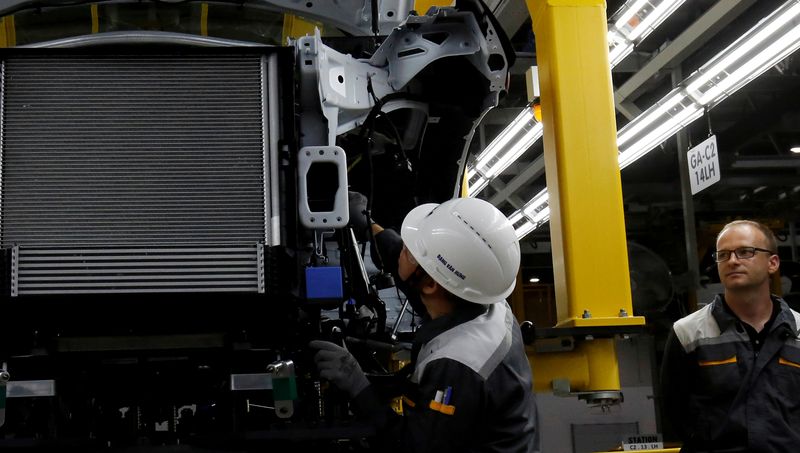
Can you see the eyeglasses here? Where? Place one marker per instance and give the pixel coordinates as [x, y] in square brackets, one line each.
[741, 253]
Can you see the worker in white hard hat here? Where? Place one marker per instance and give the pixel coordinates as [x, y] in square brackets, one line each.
[471, 385]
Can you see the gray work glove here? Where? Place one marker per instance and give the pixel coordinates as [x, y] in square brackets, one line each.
[358, 214]
[338, 366]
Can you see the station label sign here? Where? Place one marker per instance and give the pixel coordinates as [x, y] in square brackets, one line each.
[641, 442]
[703, 162]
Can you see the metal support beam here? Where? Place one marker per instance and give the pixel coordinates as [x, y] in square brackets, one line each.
[582, 170]
[690, 233]
[628, 109]
[587, 226]
[511, 14]
[515, 201]
[697, 35]
[532, 171]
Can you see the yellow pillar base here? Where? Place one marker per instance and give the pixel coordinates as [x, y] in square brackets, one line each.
[591, 366]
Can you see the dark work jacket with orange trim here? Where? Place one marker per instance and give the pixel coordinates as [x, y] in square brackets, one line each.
[470, 389]
[729, 390]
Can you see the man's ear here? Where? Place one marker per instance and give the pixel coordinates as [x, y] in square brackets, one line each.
[774, 264]
[429, 286]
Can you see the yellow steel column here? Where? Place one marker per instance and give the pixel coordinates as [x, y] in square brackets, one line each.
[422, 6]
[204, 19]
[296, 27]
[94, 10]
[587, 224]
[8, 35]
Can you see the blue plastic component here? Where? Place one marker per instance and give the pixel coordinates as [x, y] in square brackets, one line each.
[324, 283]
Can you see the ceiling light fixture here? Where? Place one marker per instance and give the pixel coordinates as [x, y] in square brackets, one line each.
[534, 280]
[633, 22]
[629, 25]
[504, 150]
[772, 39]
[532, 215]
[763, 46]
[655, 125]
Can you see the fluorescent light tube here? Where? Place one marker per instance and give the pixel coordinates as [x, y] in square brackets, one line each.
[496, 146]
[474, 186]
[538, 200]
[542, 216]
[777, 47]
[621, 35]
[504, 150]
[516, 217]
[770, 41]
[618, 53]
[524, 229]
[753, 68]
[746, 47]
[633, 22]
[667, 127]
[628, 10]
[650, 116]
[534, 213]
[654, 18]
[515, 150]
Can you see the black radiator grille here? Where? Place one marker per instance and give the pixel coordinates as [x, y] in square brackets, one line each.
[137, 173]
[137, 270]
[107, 150]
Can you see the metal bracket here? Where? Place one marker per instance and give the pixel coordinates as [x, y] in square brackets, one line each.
[342, 84]
[588, 332]
[284, 387]
[251, 381]
[333, 156]
[557, 344]
[446, 32]
[319, 241]
[602, 398]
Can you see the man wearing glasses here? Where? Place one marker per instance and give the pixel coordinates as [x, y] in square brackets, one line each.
[731, 370]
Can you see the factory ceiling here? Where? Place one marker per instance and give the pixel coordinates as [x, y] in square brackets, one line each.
[755, 129]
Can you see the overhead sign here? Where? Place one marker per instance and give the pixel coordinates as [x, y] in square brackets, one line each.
[641, 442]
[703, 162]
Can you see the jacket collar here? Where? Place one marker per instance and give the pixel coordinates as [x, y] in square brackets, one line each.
[781, 314]
[433, 327]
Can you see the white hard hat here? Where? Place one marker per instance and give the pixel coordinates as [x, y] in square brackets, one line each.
[467, 246]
